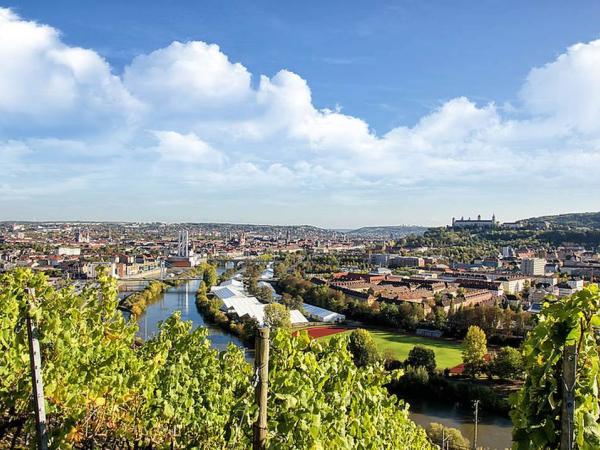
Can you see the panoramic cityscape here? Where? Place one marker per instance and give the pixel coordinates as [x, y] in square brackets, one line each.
[280, 226]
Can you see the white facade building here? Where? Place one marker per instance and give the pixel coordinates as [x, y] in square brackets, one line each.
[533, 266]
[68, 251]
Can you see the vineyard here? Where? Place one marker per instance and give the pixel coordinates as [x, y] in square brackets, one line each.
[541, 409]
[105, 389]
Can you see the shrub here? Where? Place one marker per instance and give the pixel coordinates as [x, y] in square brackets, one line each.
[420, 356]
[277, 316]
[507, 364]
[452, 437]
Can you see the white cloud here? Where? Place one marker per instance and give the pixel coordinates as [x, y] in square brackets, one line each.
[189, 78]
[186, 148]
[213, 129]
[46, 85]
[567, 90]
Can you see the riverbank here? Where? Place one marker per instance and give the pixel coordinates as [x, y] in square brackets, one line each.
[137, 302]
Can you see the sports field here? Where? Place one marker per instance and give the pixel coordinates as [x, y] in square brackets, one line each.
[447, 352]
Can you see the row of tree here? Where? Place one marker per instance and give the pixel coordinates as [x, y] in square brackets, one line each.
[497, 322]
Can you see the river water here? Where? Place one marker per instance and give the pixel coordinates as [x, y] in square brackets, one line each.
[494, 430]
[182, 298]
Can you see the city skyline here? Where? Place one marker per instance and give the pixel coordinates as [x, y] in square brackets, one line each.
[161, 117]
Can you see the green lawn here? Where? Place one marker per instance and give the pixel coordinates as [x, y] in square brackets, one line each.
[447, 353]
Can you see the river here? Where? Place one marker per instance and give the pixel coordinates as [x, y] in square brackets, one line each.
[183, 298]
[494, 430]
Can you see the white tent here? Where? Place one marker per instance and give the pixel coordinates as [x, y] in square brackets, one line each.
[322, 314]
[237, 284]
[296, 317]
[235, 301]
[227, 292]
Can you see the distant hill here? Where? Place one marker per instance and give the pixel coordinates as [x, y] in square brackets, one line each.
[572, 220]
[387, 232]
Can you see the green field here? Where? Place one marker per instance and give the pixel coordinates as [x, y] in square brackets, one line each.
[447, 353]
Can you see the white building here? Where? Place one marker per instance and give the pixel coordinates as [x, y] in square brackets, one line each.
[68, 251]
[91, 269]
[267, 274]
[323, 315]
[380, 271]
[569, 288]
[576, 284]
[511, 285]
[234, 283]
[508, 252]
[472, 223]
[227, 291]
[237, 303]
[533, 266]
[548, 279]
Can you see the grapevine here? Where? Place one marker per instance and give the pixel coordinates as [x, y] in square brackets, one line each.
[106, 389]
[536, 410]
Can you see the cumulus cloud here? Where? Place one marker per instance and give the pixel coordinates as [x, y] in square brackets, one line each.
[212, 127]
[48, 86]
[567, 90]
[186, 148]
[187, 78]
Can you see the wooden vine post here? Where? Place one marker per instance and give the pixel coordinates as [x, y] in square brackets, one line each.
[261, 365]
[568, 397]
[35, 362]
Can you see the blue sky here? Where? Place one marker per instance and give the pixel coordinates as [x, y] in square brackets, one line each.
[368, 112]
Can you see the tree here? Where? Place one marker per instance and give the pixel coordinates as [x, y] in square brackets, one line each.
[526, 288]
[414, 379]
[439, 318]
[277, 316]
[507, 364]
[280, 269]
[228, 274]
[474, 350]
[210, 276]
[202, 289]
[439, 434]
[363, 348]
[411, 314]
[264, 294]
[420, 356]
[292, 302]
